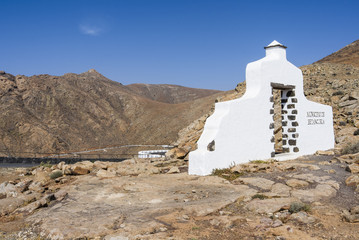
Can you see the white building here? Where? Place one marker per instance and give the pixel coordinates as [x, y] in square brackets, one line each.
[242, 130]
[152, 153]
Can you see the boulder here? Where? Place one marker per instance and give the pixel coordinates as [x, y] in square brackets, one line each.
[350, 216]
[325, 153]
[66, 170]
[23, 185]
[279, 190]
[267, 206]
[60, 165]
[257, 182]
[8, 205]
[85, 165]
[100, 165]
[352, 180]
[178, 153]
[60, 195]
[105, 174]
[36, 187]
[296, 183]
[79, 170]
[8, 190]
[42, 176]
[322, 191]
[354, 210]
[302, 217]
[173, 170]
[353, 168]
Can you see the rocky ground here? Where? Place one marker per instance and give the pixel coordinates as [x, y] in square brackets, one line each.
[312, 197]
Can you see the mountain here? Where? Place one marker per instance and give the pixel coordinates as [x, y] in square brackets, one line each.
[347, 55]
[74, 112]
[169, 93]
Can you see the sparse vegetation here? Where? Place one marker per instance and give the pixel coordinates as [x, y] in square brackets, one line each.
[56, 174]
[258, 161]
[259, 196]
[351, 148]
[298, 207]
[47, 164]
[226, 173]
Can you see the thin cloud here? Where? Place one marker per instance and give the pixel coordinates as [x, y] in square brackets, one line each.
[90, 30]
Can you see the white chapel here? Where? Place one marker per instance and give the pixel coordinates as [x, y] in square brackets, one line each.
[242, 130]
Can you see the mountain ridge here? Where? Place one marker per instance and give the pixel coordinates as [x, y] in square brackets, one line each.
[346, 55]
[45, 113]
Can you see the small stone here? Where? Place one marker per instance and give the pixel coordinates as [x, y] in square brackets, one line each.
[173, 170]
[215, 222]
[185, 217]
[354, 210]
[266, 222]
[60, 195]
[238, 169]
[302, 217]
[277, 223]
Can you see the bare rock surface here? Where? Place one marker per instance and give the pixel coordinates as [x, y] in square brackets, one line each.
[157, 199]
[261, 183]
[269, 205]
[130, 203]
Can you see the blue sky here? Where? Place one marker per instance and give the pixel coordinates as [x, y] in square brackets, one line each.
[194, 43]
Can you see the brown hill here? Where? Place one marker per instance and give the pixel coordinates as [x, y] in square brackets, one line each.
[78, 111]
[169, 93]
[347, 55]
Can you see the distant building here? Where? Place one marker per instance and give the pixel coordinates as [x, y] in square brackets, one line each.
[242, 130]
[152, 153]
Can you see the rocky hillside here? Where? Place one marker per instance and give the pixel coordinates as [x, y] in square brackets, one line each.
[338, 86]
[78, 111]
[347, 55]
[169, 93]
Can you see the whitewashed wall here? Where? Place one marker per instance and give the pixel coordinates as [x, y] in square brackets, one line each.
[241, 128]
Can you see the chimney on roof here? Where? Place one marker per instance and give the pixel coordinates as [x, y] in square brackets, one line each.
[276, 49]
